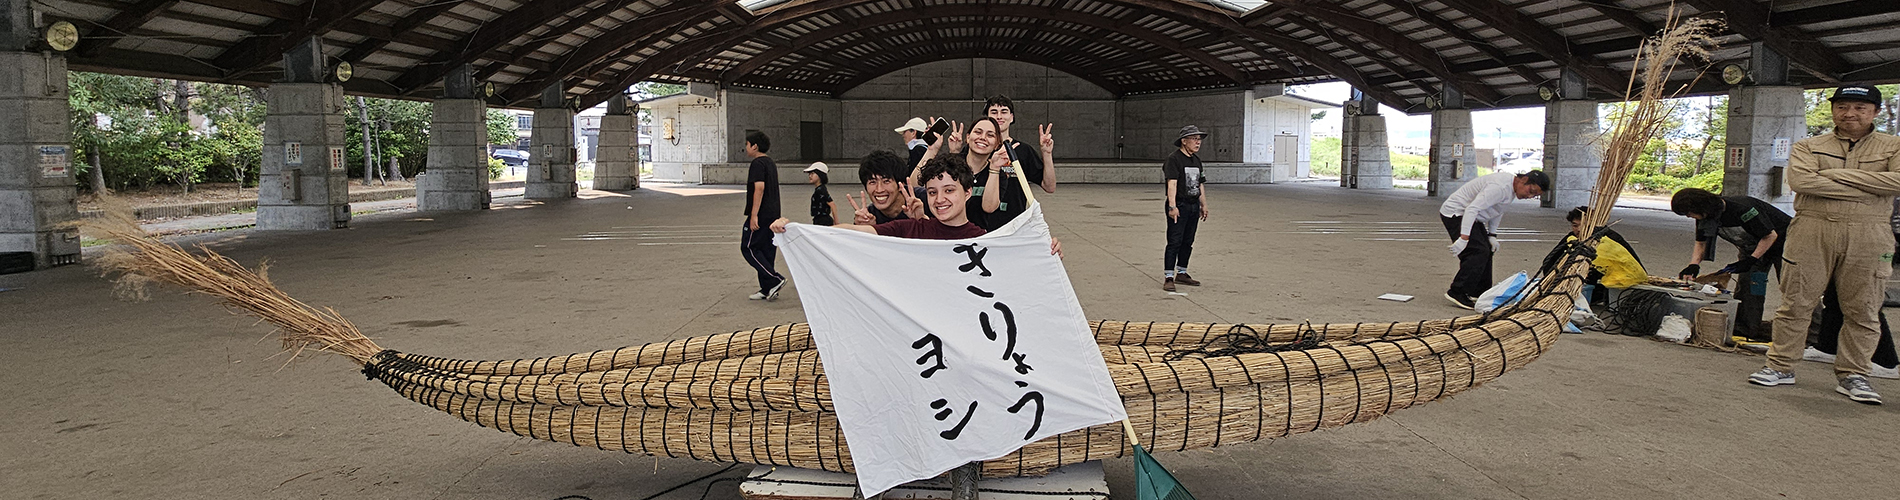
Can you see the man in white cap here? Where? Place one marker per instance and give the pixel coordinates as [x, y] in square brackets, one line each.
[913, 132]
[1844, 182]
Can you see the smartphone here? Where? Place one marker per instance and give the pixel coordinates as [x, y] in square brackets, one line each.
[936, 129]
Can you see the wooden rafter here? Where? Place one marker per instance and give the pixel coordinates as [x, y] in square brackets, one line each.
[122, 23]
[1404, 47]
[613, 42]
[416, 18]
[1542, 40]
[1461, 34]
[323, 16]
[1751, 20]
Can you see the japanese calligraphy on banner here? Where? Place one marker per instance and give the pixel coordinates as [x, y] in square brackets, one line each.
[940, 353]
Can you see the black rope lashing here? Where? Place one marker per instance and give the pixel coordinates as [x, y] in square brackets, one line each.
[1243, 339]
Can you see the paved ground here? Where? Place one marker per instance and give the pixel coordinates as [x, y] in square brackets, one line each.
[174, 398]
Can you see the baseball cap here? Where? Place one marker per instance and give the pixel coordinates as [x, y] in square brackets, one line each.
[1862, 93]
[818, 166]
[916, 124]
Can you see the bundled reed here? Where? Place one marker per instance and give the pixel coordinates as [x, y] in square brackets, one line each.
[760, 396]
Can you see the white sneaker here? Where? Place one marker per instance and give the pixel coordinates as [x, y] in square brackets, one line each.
[773, 293]
[756, 296]
[1817, 356]
[1878, 372]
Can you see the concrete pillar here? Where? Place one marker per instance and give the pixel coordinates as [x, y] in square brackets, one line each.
[1570, 157]
[551, 173]
[1364, 130]
[1763, 123]
[302, 186]
[456, 177]
[616, 167]
[1451, 158]
[457, 173]
[1348, 170]
[36, 180]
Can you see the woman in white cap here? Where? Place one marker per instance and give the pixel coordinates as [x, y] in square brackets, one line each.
[913, 132]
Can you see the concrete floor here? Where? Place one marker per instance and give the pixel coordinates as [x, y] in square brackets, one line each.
[174, 398]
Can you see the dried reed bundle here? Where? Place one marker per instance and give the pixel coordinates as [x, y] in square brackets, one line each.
[150, 260]
[1640, 117]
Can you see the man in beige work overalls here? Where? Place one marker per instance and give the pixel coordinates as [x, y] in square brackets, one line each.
[1844, 183]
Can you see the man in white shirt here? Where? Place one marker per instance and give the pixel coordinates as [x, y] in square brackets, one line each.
[1471, 216]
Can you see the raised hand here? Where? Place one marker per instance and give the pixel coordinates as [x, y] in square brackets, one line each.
[999, 159]
[861, 214]
[955, 137]
[1048, 138]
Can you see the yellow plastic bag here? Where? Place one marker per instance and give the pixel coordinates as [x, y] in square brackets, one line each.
[1619, 268]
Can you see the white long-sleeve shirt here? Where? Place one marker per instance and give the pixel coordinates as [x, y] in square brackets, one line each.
[1482, 199]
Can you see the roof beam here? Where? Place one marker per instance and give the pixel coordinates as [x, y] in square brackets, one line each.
[614, 42]
[1830, 13]
[1399, 44]
[569, 25]
[488, 37]
[1624, 16]
[1541, 39]
[416, 18]
[129, 18]
[322, 16]
[1751, 20]
[1452, 29]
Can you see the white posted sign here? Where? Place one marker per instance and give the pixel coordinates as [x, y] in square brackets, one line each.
[941, 353]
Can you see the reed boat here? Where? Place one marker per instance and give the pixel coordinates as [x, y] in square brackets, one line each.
[760, 396]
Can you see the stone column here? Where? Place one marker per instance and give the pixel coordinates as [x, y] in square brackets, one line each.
[1570, 155]
[1763, 123]
[1370, 155]
[616, 167]
[36, 179]
[457, 173]
[303, 182]
[1348, 170]
[551, 171]
[1451, 159]
[1764, 120]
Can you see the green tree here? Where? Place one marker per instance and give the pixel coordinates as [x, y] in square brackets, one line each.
[400, 128]
[501, 128]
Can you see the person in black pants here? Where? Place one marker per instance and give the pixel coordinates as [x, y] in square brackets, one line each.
[1472, 215]
[1187, 206]
[761, 208]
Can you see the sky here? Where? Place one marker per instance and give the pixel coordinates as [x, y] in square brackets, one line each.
[1519, 128]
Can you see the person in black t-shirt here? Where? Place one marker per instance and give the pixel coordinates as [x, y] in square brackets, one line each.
[884, 198]
[947, 184]
[824, 211]
[1038, 166]
[1754, 226]
[761, 208]
[1186, 206]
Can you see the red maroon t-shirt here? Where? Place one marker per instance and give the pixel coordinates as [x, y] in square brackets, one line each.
[928, 229]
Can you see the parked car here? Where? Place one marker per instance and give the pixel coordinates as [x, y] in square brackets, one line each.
[1522, 165]
[512, 157]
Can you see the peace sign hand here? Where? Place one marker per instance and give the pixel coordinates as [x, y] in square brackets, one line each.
[913, 207]
[955, 137]
[1048, 138]
[861, 214]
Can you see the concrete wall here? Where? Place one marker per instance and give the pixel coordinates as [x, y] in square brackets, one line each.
[779, 117]
[975, 80]
[1268, 118]
[1083, 129]
[699, 126]
[1151, 124]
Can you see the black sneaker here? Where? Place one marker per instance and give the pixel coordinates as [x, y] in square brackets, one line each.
[1460, 301]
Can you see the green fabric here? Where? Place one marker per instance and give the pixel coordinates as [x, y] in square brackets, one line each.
[1153, 482]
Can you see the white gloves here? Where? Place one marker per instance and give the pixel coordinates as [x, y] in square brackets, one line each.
[1458, 246]
[1494, 243]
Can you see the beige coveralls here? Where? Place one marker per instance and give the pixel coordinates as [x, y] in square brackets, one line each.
[1841, 232]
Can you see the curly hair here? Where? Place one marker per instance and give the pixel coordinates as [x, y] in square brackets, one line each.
[952, 166]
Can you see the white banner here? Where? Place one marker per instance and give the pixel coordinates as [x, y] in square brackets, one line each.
[940, 353]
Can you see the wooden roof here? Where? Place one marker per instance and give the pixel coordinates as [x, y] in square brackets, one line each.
[1398, 51]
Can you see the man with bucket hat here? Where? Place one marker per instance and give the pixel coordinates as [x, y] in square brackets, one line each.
[1186, 206]
[1844, 182]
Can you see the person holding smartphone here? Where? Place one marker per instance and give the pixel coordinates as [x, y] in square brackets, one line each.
[915, 142]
